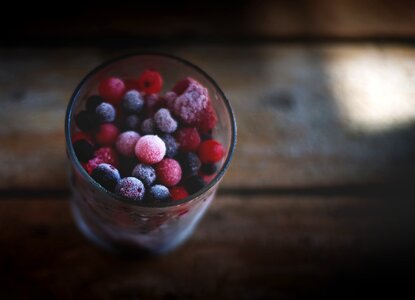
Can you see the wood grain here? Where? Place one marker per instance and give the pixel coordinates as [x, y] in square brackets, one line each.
[308, 116]
[246, 247]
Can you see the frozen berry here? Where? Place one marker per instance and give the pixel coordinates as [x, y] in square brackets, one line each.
[210, 151]
[181, 86]
[148, 126]
[145, 173]
[86, 120]
[194, 184]
[132, 102]
[83, 150]
[150, 149]
[112, 89]
[107, 176]
[178, 193]
[169, 97]
[207, 119]
[125, 143]
[168, 172]
[92, 102]
[107, 155]
[189, 162]
[107, 134]
[150, 82]
[188, 138]
[130, 188]
[165, 121]
[153, 103]
[132, 122]
[159, 192]
[208, 169]
[171, 145]
[105, 112]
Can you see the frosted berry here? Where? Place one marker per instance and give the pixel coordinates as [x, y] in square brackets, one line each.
[178, 193]
[132, 102]
[188, 138]
[150, 82]
[125, 143]
[130, 188]
[86, 120]
[207, 119]
[194, 184]
[190, 163]
[171, 145]
[92, 102]
[107, 134]
[210, 151]
[83, 149]
[153, 102]
[159, 192]
[148, 126]
[168, 172]
[112, 89]
[165, 121]
[105, 112]
[107, 155]
[107, 176]
[145, 173]
[150, 149]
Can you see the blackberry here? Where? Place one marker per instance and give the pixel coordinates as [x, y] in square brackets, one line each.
[194, 184]
[189, 162]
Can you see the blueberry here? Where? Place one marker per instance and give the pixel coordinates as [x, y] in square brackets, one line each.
[145, 173]
[86, 120]
[148, 126]
[92, 102]
[130, 188]
[132, 122]
[189, 162]
[158, 192]
[107, 176]
[105, 112]
[83, 150]
[165, 121]
[194, 184]
[208, 169]
[132, 102]
[171, 145]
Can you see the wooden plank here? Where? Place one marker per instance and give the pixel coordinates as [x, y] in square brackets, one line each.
[252, 247]
[308, 116]
[211, 20]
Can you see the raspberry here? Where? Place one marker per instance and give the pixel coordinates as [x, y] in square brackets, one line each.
[130, 188]
[107, 155]
[150, 82]
[165, 121]
[132, 102]
[92, 164]
[105, 112]
[125, 143]
[150, 149]
[83, 149]
[181, 86]
[107, 176]
[86, 120]
[169, 97]
[194, 184]
[107, 134]
[148, 126]
[207, 119]
[145, 173]
[190, 163]
[171, 145]
[92, 102]
[112, 89]
[210, 151]
[159, 192]
[168, 172]
[178, 193]
[188, 139]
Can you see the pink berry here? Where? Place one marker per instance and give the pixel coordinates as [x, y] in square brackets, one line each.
[125, 143]
[112, 89]
[188, 138]
[107, 155]
[207, 119]
[169, 172]
[210, 151]
[150, 149]
[150, 82]
[178, 193]
[107, 134]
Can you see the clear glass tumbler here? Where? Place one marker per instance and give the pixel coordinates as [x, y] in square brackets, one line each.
[123, 226]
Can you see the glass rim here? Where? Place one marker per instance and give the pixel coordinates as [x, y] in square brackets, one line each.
[170, 203]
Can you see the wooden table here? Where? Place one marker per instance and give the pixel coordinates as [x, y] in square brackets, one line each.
[318, 201]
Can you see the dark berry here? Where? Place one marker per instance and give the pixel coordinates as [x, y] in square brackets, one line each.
[171, 145]
[132, 122]
[130, 188]
[189, 162]
[194, 184]
[178, 193]
[145, 173]
[92, 102]
[158, 192]
[148, 126]
[105, 112]
[206, 135]
[132, 102]
[208, 169]
[86, 120]
[107, 134]
[83, 150]
[210, 151]
[107, 176]
[150, 82]
[112, 89]
[165, 121]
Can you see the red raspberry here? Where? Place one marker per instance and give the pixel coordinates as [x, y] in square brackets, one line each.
[210, 151]
[207, 119]
[107, 155]
[112, 89]
[150, 82]
[107, 134]
[92, 164]
[169, 172]
[178, 193]
[188, 139]
[182, 85]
